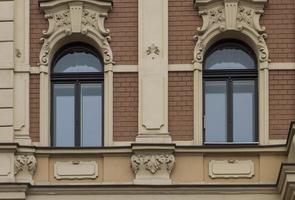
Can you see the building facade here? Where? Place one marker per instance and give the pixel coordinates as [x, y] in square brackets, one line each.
[140, 99]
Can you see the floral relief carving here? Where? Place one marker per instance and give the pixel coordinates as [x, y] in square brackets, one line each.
[241, 21]
[84, 17]
[214, 16]
[25, 163]
[245, 15]
[263, 53]
[152, 162]
[153, 50]
[89, 19]
[60, 20]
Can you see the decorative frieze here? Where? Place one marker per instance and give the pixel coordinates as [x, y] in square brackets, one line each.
[25, 163]
[226, 16]
[66, 18]
[152, 162]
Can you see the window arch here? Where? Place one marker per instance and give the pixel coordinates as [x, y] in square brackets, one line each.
[230, 93]
[77, 78]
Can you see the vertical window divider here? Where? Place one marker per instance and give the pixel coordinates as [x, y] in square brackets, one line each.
[230, 109]
[77, 114]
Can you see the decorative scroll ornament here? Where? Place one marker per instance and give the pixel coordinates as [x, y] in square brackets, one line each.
[241, 18]
[82, 17]
[25, 163]
[153, 50]
[152, 162]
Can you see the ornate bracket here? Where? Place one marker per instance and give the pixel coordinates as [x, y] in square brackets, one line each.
[239, 17]
[152, 162]
[25, 163]
[84, 17]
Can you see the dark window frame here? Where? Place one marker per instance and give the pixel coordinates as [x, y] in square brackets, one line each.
[75, 78]
[229, 76]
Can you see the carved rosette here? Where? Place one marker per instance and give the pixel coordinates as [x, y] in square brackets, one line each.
[25, 163]
[152, 162]
[235, 16]
[80, 17]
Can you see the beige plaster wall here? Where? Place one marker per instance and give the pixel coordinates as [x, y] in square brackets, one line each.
[188, 168]
[240, 196]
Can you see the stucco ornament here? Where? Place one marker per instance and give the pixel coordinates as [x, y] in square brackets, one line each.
[239, 17]
[25, 163]
[153, 50]
[71, 18]
[152, 162]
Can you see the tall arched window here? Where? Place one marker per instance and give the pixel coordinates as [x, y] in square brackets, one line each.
[77, 97]
[230, 94]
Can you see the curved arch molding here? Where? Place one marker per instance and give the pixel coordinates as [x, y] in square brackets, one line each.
[71, 21]
[237, 19]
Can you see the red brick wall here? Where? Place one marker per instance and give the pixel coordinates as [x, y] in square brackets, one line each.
[279, 20]
[180, 105]
[182, 25]
[34, 107]
[123, 23]
[37, 25]
[281, 102]
[125, 106]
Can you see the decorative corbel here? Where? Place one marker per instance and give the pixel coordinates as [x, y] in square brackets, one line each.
[25, 163]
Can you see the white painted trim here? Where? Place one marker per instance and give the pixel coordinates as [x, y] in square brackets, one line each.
[277, 141]
[181, 67]
[128, 143]
[282, 66]
[125, 68]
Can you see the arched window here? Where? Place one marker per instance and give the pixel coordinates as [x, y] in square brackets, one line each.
[230, 94]
[77, 97]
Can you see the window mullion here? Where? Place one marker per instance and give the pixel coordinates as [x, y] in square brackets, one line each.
[229, 110]
[77, 115]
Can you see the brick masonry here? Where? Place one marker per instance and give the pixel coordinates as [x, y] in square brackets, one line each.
[279, 20]
[281, 102]
[123, 24]
[180, 105]
[125, 106]
[182, 25]
[34, 107]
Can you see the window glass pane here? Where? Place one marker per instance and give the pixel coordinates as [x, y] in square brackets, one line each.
[244, 111]
[215, 111]
[91, 114]
[63, 114]
[229, 56]
[78, 62]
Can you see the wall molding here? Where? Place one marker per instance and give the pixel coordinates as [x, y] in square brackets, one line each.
[282, 66]
[75, 21]
[234, 19]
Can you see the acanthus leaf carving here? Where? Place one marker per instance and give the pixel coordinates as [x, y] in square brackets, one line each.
[83, 17]
[45, 50]
[241, 21]
[245, 15]
[211, 17]
[25, 163]
[58, 21]
[152, 162]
